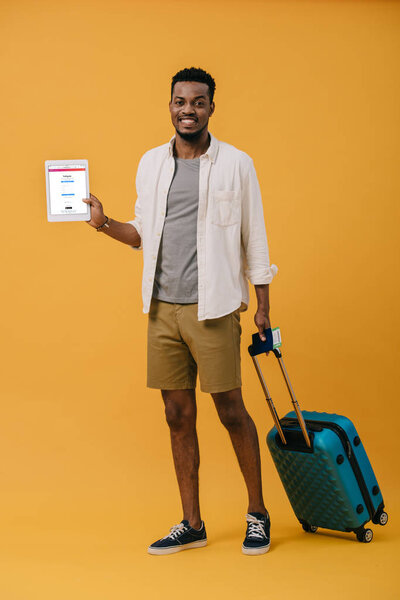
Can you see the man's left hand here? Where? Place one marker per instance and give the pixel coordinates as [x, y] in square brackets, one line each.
[261, 319]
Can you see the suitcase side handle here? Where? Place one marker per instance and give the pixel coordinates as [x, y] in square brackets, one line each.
[259, 347]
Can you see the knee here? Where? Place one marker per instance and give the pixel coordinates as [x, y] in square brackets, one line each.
[179, 419]
[233, 417]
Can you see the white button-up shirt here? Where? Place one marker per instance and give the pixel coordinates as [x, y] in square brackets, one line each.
[232, 245]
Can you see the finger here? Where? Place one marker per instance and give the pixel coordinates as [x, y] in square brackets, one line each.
[261, 333]
[267, 326]
[92, 201]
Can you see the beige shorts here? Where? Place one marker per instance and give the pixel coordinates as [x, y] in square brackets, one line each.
[178, 344]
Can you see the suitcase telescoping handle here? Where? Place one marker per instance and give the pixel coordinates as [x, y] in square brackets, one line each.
[259, 347]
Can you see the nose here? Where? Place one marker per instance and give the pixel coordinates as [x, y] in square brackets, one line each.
[187, 110]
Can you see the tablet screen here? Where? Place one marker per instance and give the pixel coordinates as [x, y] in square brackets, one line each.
[67, 184]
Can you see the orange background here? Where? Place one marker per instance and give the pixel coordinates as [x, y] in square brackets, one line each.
[311, 91]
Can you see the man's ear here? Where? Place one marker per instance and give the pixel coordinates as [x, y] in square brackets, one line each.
[212, 108]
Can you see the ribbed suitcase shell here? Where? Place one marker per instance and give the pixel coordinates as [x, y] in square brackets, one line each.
[324, 486]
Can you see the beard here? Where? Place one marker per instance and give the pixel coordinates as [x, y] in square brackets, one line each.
[191, 136]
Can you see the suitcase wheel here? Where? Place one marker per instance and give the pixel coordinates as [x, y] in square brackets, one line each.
[365, 535]
[309, 528]
[381, 518]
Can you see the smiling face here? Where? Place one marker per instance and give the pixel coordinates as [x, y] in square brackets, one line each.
[190, 108]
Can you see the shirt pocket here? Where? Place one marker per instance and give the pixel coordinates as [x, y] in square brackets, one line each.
[225, 209]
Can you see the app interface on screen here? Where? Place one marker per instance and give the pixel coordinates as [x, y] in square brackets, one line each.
[67, 188]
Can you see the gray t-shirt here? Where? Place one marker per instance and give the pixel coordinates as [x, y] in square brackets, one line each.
[176, 277]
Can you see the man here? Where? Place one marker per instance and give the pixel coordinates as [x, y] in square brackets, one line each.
[199, 220]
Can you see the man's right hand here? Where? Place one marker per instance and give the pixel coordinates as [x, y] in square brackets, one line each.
[97, 216]
[123, 232]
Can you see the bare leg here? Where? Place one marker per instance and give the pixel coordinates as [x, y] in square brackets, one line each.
[243, 434]
[181, 412]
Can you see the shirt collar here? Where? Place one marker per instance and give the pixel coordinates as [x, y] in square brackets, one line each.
[211, 151]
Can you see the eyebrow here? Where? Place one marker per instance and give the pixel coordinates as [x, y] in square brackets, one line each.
[195, 98]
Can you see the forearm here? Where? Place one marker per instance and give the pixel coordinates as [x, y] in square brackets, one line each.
[262, 293]
[123, 232]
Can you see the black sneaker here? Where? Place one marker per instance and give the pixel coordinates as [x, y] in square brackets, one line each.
[181, 537]
[257, 540]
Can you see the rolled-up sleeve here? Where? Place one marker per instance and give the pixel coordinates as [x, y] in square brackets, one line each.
[253, 233]
[137, 221]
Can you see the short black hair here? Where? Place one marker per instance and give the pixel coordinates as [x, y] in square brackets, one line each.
[194, 74]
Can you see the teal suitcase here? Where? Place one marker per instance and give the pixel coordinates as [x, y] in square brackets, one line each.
[322, 464]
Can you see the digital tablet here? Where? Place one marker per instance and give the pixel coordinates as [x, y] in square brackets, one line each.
[67, 182]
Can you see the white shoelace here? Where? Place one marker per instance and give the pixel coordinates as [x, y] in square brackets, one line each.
[256, 527]
[175, 531]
